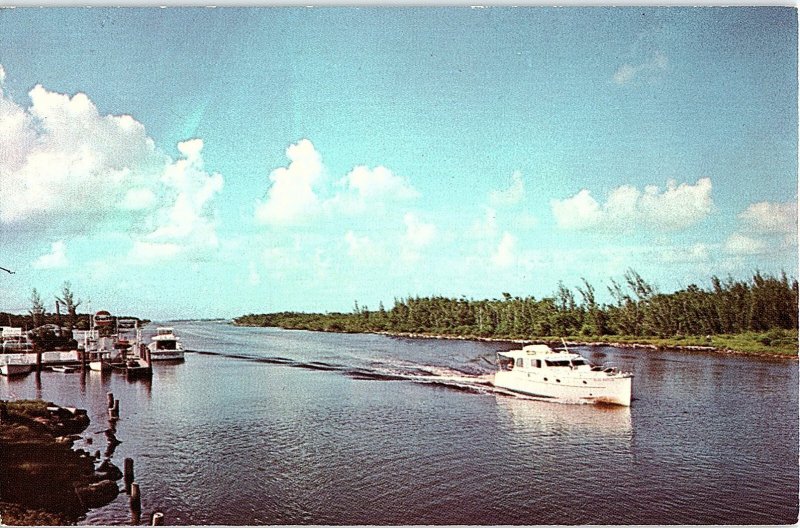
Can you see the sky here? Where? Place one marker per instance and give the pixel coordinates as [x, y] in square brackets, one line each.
[202, 163]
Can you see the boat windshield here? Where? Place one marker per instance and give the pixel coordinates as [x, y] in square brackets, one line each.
[557, 363]
[166, 344]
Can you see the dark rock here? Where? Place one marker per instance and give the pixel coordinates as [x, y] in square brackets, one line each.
[108, 471]
[98, 494]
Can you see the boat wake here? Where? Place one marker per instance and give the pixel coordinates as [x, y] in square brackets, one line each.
[467, 378]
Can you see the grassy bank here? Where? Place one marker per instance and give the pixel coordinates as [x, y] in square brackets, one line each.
[773, 343]
[784, 345]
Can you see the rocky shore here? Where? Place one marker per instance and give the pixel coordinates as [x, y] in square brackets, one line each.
[43, 480]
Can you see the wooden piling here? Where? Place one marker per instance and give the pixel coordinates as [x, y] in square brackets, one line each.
[128, 473]
[113, 411]
[158, 519]
[136, 498]
[110, 397]
[38, 359]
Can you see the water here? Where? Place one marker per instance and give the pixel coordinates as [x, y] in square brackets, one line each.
[267, 426]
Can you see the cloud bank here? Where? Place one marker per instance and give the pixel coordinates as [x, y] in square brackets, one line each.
[299, 192]
[627, 208]
[65, 167]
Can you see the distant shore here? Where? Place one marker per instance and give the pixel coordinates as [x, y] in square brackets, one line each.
[556, 343]
[747, 345]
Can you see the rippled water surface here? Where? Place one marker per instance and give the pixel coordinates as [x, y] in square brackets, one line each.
[268, 426]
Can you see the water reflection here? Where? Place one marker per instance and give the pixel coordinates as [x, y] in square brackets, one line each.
[537, 416]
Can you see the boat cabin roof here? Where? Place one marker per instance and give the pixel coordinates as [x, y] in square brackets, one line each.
[165, 334]
[536, 350]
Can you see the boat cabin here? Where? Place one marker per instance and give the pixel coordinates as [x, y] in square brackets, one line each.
[536, 357]
[165, 339]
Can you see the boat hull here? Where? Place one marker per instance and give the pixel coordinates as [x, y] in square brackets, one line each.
[99, 366]
[14, 369]
[614, 390]
[166, 355]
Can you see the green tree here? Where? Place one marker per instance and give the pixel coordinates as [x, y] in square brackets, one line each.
[37, 308]
[70, 303]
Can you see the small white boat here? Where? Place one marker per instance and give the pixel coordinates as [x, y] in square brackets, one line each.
[63, 369]
[165, 345]
[538, 370]
[100, 354]
[14, 365]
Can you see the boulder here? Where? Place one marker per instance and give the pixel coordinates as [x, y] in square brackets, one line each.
[98, 494]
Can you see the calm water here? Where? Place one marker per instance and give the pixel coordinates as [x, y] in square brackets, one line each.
[267, 426]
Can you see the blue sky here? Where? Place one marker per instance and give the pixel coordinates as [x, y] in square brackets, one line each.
[195, 162]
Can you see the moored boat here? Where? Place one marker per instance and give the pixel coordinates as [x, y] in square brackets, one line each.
[63, 369]
[165, 346]
[14, 365]
[538, 370]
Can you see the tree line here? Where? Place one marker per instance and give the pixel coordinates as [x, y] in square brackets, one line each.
[52, 328]
[730, 306]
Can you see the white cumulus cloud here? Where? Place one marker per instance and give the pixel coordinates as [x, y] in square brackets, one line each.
[292, 196]
[378, 183]
[771, 218]
[66, 167]
[765, 227]
[299, 193]
[57, 258]
[62, 162]
[739, 244]
[677, 207]
[189, 219]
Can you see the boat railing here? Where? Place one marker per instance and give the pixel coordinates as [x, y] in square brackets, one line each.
[18, 359]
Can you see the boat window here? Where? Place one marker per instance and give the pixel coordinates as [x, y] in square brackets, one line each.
[166, 344]
[559, 363]
[578, 362]
[519, 362]
[538, 363]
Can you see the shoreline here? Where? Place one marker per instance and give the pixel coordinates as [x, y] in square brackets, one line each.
[616, 344]
[44, 480]
[721, 350]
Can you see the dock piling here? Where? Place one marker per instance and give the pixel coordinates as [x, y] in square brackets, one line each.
[158, 519]
[110, 397]
[128, 473]
[136, 498]
[113, 411]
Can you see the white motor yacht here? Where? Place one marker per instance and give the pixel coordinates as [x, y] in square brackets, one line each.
[538, 370]
[165, 345]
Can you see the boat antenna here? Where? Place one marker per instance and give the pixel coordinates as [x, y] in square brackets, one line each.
[7, 270]
[565, 345]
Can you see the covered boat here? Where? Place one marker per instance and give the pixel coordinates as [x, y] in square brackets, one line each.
[165, 345]
[538, 370]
